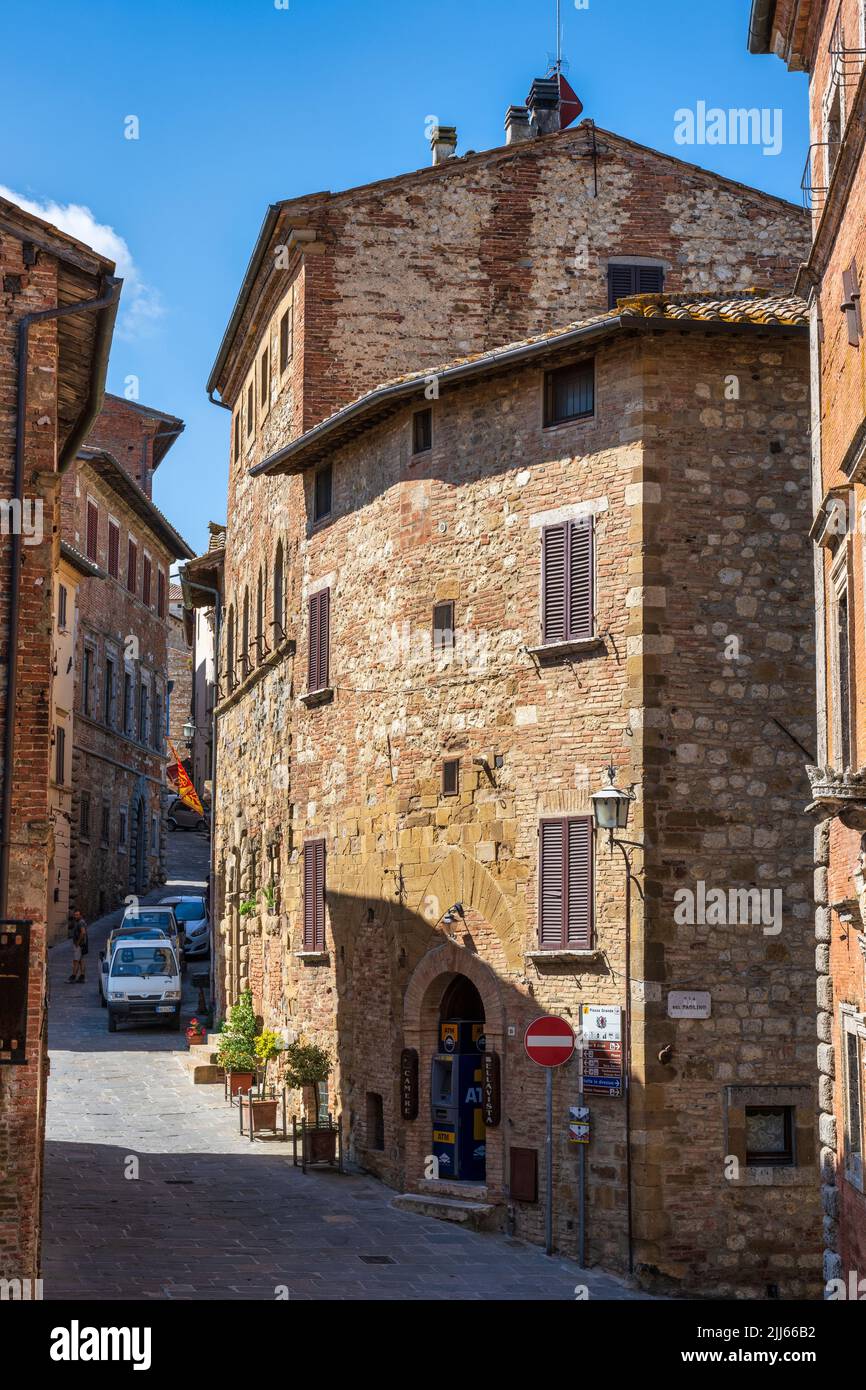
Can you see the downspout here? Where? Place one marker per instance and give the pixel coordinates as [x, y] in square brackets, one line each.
[107, 301]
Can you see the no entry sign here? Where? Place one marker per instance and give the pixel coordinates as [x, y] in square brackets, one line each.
[549, 1041]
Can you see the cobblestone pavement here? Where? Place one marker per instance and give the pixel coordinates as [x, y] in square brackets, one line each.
[151, 1193]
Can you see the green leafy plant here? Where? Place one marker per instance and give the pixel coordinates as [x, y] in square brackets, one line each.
[268, 1046]
[237, 1048]
[236, 1054]
[269, 893]
[248, 907]
[241, 1019]
[307, 1065]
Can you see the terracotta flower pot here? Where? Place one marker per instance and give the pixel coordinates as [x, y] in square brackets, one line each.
[195, 1038]
[323, 1145]
[264, 1114]
[240, 1081]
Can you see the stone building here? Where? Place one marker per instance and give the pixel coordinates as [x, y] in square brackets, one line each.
[202, 588]
[72, 569]
[828, 41]
[388, 789]
[57, 311]
[121, 665]
[180, 676]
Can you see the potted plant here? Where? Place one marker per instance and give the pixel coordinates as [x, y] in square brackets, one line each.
[236, 1052]
[263, 1109]
[307, 1067]
[195, 1032]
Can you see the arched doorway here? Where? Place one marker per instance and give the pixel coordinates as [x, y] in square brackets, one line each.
[449, 984]
[459, 1137]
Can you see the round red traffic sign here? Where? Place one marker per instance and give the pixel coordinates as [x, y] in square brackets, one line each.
[549, 1041]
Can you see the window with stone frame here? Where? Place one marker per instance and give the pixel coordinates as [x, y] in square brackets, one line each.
[87, 678]
[84, 816]
[121, 829]
[853, 1037]
[770, 1136]
[105, 825]
[108, 693]
[127, 704]
[278, 598]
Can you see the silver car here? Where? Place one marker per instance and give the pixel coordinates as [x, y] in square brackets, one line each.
[193, 920]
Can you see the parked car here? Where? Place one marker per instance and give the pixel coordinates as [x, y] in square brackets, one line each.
[140, 933]
[155, 915]
[143, 984]
[193, 919]
[183, 817]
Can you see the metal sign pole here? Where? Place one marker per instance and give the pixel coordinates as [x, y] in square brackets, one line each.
[549, 1213]
[581, 1173]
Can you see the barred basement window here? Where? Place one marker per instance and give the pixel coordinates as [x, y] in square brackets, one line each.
[422, 431]
[451, 777]
[769, 1135]
[569, 393]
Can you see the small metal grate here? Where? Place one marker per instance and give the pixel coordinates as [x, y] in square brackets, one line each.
[376, 1259]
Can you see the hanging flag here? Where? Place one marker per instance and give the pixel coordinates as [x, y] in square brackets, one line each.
[185, 789]
[570, 104]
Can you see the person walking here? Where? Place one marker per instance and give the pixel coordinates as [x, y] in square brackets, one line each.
[79, 948]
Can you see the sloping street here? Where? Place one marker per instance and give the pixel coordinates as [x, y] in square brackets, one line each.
[151, 1192]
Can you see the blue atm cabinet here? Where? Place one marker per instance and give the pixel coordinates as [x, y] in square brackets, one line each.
[455, 1100]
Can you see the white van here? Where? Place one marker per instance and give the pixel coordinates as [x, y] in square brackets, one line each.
[143, 983]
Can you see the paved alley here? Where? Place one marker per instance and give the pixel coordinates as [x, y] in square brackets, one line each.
[151, 1193]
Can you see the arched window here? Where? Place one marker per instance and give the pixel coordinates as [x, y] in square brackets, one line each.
[260, 619]
[277, 624]
[245, 636]
[230, 649]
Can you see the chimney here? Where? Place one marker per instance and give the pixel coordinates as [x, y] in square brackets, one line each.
[543, 102]
[517, 125]
[443, 142]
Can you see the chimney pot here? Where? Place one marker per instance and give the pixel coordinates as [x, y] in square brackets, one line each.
[517, 125]
[543, 102]
[443, 142]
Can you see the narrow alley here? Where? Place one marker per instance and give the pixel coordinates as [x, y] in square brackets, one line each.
[151, 1192]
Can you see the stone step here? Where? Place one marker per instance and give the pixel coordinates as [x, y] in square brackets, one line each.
[480, 1216]
[203, 1052]
[202, 1071]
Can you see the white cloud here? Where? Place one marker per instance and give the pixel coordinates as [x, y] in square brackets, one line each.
[140, 304]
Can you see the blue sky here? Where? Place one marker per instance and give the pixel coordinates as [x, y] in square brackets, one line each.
[241, 103]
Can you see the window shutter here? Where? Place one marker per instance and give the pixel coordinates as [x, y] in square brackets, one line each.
[314, 895]
[567, 581]
[160, 591]
[318, 654]
[565, 886]
[554, 544]
[113, 549]
[578, 920]
[132, 567]
[851, 303]
[580, 575]
[551, 883]
[145, 581]
[92, 530]
[624, 280]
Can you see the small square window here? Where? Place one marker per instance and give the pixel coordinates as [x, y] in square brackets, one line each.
[569, 393]
[323, 488]
[769, 1135]
[451, 777]
[422, 431]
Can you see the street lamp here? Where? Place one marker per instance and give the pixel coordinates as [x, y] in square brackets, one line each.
[610, 805]
[189, 730]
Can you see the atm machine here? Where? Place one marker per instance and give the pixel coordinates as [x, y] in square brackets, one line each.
[455, 1101]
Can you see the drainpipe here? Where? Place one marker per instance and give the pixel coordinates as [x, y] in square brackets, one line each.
[106, 302]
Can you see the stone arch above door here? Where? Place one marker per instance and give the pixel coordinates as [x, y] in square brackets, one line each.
[461, 879]
[446, 960]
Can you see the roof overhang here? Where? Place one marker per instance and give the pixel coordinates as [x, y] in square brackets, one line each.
[106, 466]
[80, 563]
[201, 579]
[385, 400]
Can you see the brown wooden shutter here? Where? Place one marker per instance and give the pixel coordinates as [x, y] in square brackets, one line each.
[578, 910]
[580, 576]
[113, 549]
[553, 571]
[565, 892]
[132, 566]
[92, 530]
[551, 892]
[160, 593]
[314, 895]
[318, 652]
[567, 581]
[851, 303]
[145, 580]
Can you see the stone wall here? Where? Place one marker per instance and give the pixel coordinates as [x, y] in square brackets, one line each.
[701, 533]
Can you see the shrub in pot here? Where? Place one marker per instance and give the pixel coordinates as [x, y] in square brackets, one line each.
[236, 1053]
[268, 1046]
[307, 1067]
